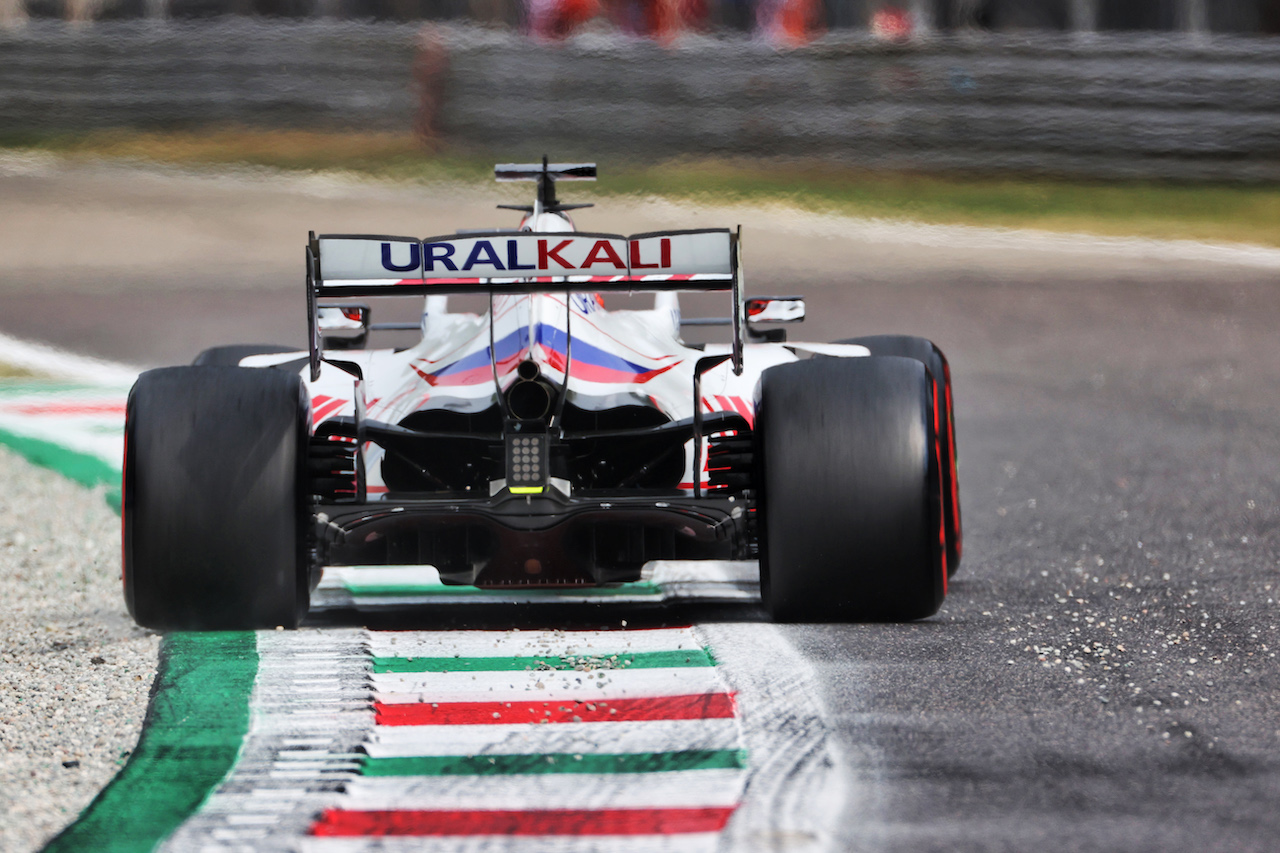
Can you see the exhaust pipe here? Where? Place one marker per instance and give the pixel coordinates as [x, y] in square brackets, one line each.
[529, 399]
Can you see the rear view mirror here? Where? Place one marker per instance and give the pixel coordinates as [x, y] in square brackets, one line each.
[343, 326]
[775, 309]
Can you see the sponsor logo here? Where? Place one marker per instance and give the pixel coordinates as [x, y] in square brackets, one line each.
[488, 255]
[415, 258]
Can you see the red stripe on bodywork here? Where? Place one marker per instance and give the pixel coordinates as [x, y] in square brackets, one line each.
[744, 409]
[338, 822]
[329, 408]
[588, 372]
[324, 407]
[470, 376]
[699, 706]
[598, 373]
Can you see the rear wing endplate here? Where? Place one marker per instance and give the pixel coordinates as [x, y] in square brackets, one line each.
[364, 265]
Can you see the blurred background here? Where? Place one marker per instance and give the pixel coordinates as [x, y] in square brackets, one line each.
[662, 17]
[1182, 89]
[1117, 118]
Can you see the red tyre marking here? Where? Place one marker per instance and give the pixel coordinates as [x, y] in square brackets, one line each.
[699, 706]
[951, 442]
[337, 822]
[942, 515]
[124, 485]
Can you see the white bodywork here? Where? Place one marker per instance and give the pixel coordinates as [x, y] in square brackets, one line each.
[463, 361]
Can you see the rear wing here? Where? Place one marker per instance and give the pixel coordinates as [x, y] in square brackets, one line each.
[361, 265]
[364, 265]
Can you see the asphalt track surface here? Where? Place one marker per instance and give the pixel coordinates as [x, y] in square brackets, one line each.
[1102, 675]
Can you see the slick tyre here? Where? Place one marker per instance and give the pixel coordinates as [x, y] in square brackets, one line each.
[926, 351]
[230, 356]
[213, 509]
[850, 494]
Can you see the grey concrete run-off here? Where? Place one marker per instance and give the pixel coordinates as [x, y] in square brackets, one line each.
[1091, 104]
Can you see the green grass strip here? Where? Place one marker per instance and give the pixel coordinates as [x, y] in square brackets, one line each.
[1202, 210]
[513, 765]
[83, 468]
[196, 722]
[637, 660]
[360, 590]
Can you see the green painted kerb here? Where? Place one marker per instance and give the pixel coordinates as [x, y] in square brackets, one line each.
[196, 722]
[621, 660]
[519, 765]
[373, 590]
[83, 468]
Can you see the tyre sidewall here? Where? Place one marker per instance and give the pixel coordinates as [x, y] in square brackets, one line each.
[214, 511]
[850, 498]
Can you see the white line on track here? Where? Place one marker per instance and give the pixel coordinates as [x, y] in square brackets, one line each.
[60, 364]
[419, 644]
[682, 789]
[625, 737]
[549, 686]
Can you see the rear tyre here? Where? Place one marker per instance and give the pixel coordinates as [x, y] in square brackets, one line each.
[926, 351]
[850, 497]
[230, 356]
[214, 512]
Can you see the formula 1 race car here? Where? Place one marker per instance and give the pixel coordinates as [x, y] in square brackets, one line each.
[548, 442]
